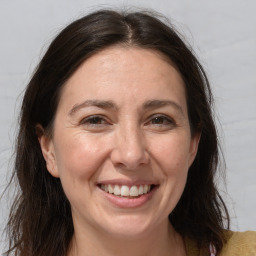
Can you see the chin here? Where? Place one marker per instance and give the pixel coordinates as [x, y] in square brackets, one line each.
[130, 227]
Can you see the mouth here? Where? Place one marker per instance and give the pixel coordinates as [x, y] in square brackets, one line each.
[125, 191]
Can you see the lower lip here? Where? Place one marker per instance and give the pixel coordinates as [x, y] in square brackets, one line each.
[123, 202]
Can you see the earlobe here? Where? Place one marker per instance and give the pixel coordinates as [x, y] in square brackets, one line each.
[194, 147]
[48, 151]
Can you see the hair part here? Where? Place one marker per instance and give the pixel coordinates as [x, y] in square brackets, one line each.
[41, 209]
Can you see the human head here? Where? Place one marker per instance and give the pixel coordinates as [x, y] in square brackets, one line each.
[42, 194]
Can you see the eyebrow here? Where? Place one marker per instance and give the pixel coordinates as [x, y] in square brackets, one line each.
[150, 104]
[92, 103]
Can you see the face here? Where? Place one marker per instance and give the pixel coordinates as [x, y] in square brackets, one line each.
[121, 142]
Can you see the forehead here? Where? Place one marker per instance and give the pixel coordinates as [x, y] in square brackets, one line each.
[130, 71]
[120, 58]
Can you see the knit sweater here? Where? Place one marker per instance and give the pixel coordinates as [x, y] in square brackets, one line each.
[238, 244]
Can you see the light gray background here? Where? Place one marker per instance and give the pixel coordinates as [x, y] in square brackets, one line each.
[223, 34]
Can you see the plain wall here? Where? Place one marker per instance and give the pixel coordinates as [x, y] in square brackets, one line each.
[222, 33]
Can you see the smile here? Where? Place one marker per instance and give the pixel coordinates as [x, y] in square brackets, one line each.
[126, 191]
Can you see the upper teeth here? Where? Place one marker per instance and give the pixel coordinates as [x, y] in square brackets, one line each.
[124, 190]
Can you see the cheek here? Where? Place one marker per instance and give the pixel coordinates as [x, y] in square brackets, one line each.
[171, 160]
[172, 154]
[78, 156]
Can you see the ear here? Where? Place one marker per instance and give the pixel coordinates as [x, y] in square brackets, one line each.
[194, 147]
[48, 151]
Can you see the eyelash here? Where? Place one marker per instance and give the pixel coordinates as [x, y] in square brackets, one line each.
[166, 121]
[92, 121]
[98, 121]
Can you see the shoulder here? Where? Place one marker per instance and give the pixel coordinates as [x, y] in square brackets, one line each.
[240, 243]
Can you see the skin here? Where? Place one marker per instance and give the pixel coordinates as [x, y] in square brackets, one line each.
[126, 139]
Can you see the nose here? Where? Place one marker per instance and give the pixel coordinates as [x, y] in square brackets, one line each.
[129, 151]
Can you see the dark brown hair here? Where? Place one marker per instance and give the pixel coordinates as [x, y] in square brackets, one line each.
[40, 221]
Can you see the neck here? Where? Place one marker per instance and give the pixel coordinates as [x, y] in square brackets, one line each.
[164, 241]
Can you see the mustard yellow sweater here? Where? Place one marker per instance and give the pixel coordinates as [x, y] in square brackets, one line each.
[239, 244]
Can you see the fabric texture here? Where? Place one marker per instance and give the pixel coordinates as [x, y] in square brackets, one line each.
[238, 244]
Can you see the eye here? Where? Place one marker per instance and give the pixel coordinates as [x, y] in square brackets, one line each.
[161, 121]
[94, 121]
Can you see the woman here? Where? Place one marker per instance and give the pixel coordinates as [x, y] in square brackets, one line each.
[117, 148]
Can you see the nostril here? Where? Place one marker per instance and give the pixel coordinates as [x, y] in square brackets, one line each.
[130, 151]
[128, 161]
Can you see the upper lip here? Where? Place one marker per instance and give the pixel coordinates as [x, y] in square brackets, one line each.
[126, 182]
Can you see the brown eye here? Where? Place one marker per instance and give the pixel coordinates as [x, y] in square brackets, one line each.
[161, 120]
[94, 121]
[158, 120]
